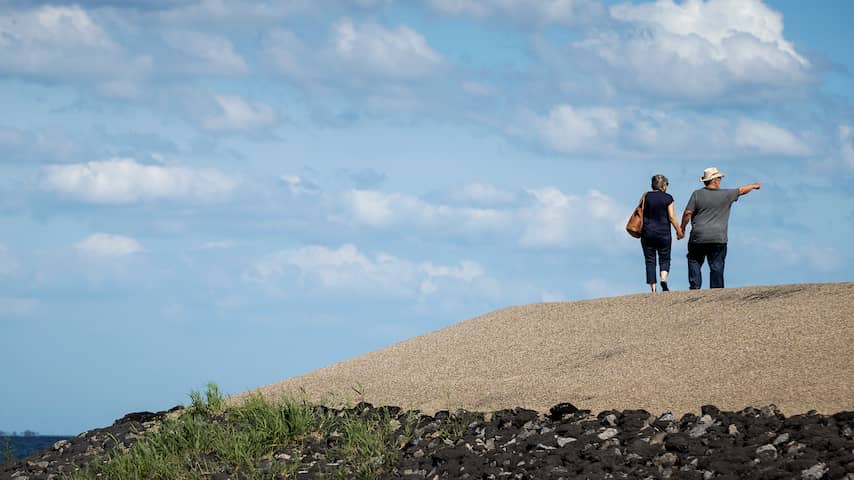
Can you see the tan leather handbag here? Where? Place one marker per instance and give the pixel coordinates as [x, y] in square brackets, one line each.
[635, 223]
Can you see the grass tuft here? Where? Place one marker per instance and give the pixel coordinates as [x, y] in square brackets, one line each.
[7, 450]
[257, 438]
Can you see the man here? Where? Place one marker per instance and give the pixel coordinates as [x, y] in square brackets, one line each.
[708, 210]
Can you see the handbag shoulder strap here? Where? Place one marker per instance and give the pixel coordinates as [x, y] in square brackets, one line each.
[642, 201]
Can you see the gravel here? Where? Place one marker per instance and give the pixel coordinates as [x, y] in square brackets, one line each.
[787, 345]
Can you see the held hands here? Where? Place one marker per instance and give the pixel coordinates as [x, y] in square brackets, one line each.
[680, 234]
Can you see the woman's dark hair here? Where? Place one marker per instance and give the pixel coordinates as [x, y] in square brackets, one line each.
[659, 182]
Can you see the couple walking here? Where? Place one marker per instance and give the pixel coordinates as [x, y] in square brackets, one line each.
[707, 210]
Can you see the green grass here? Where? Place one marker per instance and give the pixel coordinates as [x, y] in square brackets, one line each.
[457, 423]
[7, 451]
[258, 438]
[371, 444]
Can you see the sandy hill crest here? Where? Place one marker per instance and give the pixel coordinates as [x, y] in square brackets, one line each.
[788, 345]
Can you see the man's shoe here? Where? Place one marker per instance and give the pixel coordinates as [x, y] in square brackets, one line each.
[664, 286]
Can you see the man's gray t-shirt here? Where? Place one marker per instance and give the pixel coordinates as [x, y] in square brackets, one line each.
[710, 207]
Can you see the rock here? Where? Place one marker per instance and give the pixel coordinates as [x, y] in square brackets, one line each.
[609, 420]
[815, 472]
[563, 441]
[61, 444]
[658, 439]
[766, 453]
[519, 443]
[700, 428]
[782, 438]
[710, 410]
[794, 449]
[558, 411]
[666, 460]
[769, 411]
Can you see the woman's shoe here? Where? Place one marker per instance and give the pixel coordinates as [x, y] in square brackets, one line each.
[664, 286]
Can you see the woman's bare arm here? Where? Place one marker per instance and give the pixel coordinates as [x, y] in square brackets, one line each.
[671, 213]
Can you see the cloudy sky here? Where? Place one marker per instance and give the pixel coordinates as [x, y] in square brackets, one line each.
[242, 191]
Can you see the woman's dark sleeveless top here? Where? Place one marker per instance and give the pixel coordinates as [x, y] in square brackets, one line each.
[656, 223]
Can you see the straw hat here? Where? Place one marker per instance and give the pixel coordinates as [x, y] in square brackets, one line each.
[711, 173]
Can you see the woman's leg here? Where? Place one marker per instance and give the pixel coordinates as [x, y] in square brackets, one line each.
[649, 248]
[664, 261]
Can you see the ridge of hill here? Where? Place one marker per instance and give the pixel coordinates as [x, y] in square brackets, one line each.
[786, 345]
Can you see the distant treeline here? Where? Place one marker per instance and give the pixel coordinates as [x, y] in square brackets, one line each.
[25, 433]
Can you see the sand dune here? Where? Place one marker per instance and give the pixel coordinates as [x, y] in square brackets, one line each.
[790, 345]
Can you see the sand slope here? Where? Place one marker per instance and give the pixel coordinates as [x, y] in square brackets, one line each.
[790, 345]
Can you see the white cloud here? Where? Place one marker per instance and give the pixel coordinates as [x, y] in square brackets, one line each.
[122, 180]
[291, 57]
[633, 131]
[686, 135]
[480, 194]
[379, 209]
[347, 268]
[236, 114]
[250, 12]
[36, 146]
[565, 12]
[391, 52]
[373, 59]
[107, 245]
[700, 50]
[208, 53]
[467, 271]
[567, 129]
[64, 42]
[472, 8]
[768, 139]
[299, 186]
[542, 217]
[68, 26]
[558, 219]
[847, 145]
[376, 208]
[713, 20]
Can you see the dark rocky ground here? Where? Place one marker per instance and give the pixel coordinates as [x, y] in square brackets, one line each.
[23, 446]
[565, 443]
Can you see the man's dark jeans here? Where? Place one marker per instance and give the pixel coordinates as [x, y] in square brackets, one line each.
[697, 253]
[651, 246]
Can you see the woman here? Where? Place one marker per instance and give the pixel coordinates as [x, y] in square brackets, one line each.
[658, 216]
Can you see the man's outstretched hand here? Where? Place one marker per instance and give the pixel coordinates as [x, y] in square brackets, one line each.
[745, 189]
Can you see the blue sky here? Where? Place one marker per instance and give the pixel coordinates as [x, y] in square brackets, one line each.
[240, 192]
